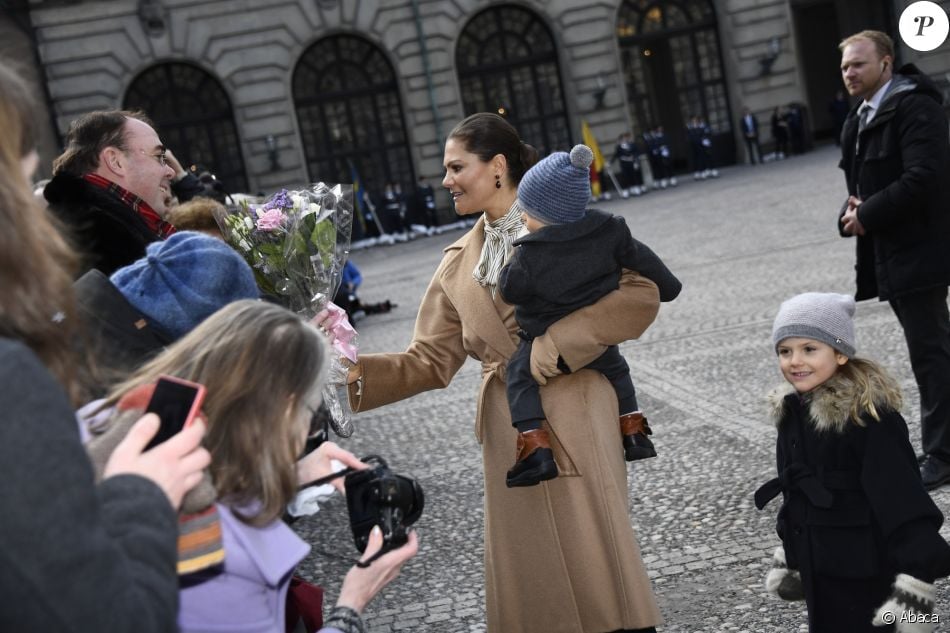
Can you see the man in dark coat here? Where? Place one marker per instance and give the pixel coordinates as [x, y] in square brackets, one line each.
[896, 158]
[111, 187]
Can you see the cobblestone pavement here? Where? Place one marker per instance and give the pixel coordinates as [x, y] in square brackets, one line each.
[741, 244]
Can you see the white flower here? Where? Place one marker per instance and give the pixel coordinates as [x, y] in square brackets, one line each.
[248, 223]
[245, 246]
[299, 201]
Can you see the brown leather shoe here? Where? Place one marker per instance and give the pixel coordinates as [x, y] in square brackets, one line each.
[534, 460]
[636, 444]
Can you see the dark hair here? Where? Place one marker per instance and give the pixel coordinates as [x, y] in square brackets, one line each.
[486, 135]
[89, 135]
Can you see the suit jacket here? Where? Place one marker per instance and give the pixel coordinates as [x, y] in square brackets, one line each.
[560, 557]
[749, 128]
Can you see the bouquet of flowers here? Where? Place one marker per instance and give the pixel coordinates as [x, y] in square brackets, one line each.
[297, 243]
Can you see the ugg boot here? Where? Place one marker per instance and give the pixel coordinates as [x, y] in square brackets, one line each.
[636, 444]
[534, 461]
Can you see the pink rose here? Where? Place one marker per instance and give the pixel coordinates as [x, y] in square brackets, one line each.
[270, 220]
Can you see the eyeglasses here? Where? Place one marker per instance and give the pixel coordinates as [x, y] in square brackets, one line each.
[160, 157]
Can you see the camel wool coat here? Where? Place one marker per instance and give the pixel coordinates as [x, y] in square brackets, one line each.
[560, 557]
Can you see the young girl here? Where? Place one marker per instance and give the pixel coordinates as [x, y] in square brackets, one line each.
[263, 368]
[859, 532]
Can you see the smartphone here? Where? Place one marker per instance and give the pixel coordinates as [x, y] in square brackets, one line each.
[177, 402]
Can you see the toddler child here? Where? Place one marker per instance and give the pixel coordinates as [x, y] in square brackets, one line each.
[570, 258]
[860, 535]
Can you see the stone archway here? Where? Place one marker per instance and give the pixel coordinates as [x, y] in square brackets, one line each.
[672, 68]
[193, 116]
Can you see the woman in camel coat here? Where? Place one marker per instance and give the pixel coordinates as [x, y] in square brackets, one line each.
[560, 557]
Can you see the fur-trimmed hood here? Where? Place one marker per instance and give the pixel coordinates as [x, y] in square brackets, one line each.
[833, 404]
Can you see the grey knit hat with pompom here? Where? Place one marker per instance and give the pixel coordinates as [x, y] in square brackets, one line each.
[556, 190]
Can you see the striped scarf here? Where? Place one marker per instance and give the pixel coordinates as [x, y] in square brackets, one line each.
[155, 223]
[498, 238]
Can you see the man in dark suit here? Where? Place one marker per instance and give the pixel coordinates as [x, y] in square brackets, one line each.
[896, 157]
[750, 132]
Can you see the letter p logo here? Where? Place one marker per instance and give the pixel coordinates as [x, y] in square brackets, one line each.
[924, 21]
[924, 26]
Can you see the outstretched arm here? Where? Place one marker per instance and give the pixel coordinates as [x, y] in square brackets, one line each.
[430, 361]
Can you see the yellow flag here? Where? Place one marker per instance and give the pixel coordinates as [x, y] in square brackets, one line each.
[598, 164]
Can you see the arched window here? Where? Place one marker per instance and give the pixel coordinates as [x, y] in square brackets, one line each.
[350, 114]
[673, 70]
[193, 117]
[507, 63]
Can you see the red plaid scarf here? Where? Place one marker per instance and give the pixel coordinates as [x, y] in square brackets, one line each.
[155, 223]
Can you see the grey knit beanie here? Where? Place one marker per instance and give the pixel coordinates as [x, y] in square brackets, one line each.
[556, 190]
[822, 316]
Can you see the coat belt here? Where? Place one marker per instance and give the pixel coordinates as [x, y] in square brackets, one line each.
[497, 369]
[800, 477]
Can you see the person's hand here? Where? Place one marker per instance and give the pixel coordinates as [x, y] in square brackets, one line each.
[172, 162]
[850, 223]
[317, 464]
[361, 584]
[544, 357]
[355, 373]
[910, 606]
[335, 325]
[174, 465]
[781, 581]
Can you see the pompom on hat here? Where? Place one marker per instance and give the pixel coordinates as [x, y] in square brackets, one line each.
[185, 279]
[556, 190]
[822, 316]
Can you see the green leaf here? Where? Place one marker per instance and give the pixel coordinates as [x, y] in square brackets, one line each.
[324, 238]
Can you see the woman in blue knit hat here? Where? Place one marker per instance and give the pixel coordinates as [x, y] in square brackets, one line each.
[142, 308]
[570, 258]
[860, 535]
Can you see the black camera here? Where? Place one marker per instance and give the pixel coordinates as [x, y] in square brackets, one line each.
[377, 496]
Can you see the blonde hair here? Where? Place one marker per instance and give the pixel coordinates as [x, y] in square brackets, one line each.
[196, 214]
[37, 264]
[883, 43]
[873, 387]
[261, 365]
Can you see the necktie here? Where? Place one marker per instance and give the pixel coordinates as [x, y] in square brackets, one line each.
[863, 117]
[863, 113]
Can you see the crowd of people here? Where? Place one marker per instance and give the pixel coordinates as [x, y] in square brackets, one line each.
[123, 280]
[659, 159]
